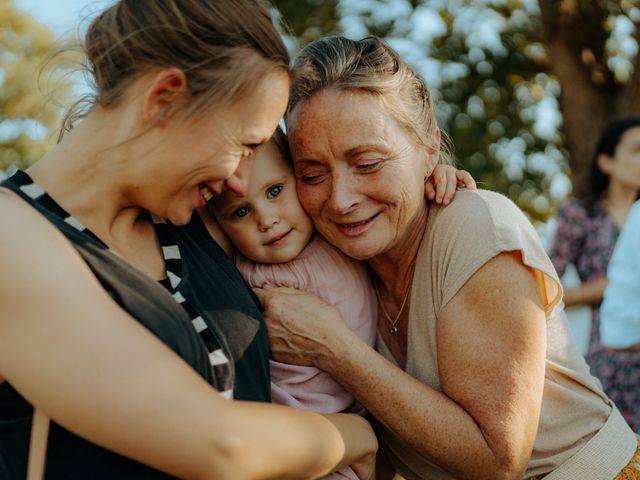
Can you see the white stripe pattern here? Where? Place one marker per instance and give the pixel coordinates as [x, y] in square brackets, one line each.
[34, 191]
[75, 223]
[217, 357]
[171, 252]
[228, 394]
[198, 324]
[178, 297]
[174, 279]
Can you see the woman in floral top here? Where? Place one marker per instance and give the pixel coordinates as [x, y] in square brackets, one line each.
[588, 227]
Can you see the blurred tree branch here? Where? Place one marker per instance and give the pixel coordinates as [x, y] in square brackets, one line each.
[28, 116]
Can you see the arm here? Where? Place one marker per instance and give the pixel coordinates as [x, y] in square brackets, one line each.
[620, 311]
[568, 237]
[587, 293]
[491, 350]
[566, 249]
[73, 352]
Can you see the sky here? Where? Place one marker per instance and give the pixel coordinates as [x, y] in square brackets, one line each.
[62, 17]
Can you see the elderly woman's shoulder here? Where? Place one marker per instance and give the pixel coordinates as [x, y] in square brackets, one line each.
[469, 203]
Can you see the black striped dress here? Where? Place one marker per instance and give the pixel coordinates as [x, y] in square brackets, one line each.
[202, 310]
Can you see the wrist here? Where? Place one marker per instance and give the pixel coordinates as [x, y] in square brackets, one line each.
[334, 349]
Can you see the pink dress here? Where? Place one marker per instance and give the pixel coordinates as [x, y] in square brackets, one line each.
[339, 280]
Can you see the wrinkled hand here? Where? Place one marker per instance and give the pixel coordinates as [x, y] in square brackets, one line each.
[444, 180]
[301, 326]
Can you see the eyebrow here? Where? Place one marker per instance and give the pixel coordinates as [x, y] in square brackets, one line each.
[380, 147]
[349, 153]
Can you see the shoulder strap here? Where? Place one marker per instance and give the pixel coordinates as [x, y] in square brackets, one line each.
[38, 445]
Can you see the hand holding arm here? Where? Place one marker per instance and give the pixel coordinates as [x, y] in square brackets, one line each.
[299, 325]
[496, 321]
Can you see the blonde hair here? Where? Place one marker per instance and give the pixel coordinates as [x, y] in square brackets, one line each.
[224, 47]
[371, 66]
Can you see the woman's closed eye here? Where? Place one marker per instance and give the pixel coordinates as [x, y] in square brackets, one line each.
[370, 165]
[274, 190]
[310, 178]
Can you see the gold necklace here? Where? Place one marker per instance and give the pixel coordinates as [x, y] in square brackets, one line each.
[393, 324]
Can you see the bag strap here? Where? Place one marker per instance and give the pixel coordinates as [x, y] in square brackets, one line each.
[38, 445]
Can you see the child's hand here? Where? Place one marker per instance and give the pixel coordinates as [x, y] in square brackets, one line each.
[444, 180]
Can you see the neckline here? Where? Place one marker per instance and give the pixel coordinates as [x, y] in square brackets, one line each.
[36, 193]
[218, 359]
[29, 187]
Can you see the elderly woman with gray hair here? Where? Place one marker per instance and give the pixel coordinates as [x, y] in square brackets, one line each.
[474, 374]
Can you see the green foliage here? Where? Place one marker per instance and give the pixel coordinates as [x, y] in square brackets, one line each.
[489, 71]
[28, 117]
[309, 19]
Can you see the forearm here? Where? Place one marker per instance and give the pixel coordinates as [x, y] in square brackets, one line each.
[588, 293]
[433, 424]
[489, 414]
[269, 441]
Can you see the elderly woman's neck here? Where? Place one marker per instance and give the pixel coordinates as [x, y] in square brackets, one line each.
[394, 268]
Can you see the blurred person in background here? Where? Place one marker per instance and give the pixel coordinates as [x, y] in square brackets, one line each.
[620, 316]
[587, 230]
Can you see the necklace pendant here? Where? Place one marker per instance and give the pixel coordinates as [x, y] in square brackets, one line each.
[393, 329]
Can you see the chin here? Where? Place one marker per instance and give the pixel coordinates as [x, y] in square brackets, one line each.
[356, 251]
[181, 220]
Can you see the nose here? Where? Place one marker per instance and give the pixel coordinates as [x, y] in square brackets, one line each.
[238, 182]
[343, 197]
[267, 218]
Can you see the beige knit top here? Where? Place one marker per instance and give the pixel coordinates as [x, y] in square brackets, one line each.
[458, 240]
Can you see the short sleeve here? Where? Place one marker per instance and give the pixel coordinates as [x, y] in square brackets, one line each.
[567, 243]
[476, 227]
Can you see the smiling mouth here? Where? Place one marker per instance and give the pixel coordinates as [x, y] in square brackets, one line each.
[355, 229]
[278, 238]
[357, 224]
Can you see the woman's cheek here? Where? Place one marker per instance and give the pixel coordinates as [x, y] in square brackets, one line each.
[309, 198]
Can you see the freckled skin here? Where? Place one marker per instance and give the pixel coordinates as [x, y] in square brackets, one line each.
[359, 174]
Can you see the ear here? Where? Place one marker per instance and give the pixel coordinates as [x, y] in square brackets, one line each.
[166, 91]
[432, 155]
[605, 163]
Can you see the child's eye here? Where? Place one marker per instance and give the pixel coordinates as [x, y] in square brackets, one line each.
[274, 191]
[240, 212]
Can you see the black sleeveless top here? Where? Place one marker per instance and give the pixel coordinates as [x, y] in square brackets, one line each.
[211, 285]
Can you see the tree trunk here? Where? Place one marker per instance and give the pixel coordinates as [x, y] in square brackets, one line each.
[590, 96]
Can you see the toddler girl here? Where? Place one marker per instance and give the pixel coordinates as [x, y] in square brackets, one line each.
[276, 246]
